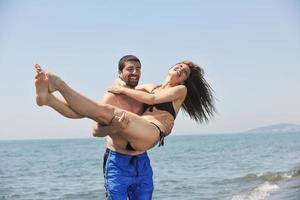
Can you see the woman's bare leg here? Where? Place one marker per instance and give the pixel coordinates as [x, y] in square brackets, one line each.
[45, 98]
[62, 107]
[102, 113]
[44, 86]
[141, 134]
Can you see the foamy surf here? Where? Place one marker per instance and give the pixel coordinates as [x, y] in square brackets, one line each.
[259, 193]
[270, 183]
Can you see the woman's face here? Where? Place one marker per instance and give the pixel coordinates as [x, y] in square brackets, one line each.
[180, 72]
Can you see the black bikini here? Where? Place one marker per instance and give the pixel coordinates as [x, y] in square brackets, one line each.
[167, 106]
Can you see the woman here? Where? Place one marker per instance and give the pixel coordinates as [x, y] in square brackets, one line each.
[184, 86]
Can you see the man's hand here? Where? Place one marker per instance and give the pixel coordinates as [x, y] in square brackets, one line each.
[119, 122]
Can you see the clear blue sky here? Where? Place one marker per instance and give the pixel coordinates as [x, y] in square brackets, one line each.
[249, 49]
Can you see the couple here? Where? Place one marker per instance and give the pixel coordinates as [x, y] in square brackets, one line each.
[146, 117]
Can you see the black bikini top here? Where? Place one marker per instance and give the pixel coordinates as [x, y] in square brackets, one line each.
[167, 106]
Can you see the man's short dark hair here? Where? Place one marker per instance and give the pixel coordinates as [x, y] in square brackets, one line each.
[126, 59]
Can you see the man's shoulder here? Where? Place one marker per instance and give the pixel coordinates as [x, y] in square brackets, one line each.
[119, 100]
[109, 98]
[114, 97]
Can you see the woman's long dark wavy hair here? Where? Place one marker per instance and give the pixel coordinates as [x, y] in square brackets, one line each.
[199, 101]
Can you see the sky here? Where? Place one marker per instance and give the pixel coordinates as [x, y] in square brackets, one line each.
[249, 51]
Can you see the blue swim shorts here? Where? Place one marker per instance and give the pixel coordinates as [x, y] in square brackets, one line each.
[127, 176]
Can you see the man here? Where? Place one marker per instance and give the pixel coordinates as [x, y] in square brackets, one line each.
[127, 173]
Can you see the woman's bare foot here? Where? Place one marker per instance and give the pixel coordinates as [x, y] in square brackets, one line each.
[54, 81]
[41, 86]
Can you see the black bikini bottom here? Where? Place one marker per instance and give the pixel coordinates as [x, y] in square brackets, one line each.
[160, 143]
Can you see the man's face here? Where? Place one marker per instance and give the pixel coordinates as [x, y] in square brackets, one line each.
[131, 73]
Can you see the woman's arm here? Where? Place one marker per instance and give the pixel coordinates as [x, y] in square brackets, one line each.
[146, 87]
[166, 95]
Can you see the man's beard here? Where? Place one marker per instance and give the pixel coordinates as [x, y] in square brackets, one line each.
[132, 83]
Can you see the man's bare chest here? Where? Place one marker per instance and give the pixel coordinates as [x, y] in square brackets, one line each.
[130, 104]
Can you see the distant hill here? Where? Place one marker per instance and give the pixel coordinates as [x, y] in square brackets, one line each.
[277, 128]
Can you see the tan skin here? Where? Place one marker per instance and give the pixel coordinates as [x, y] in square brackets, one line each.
[141, 134]
[128, 76]
[115, 141]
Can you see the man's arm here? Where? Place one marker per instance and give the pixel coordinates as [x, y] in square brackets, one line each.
[102, 130]
[99, 130]
[119, 122]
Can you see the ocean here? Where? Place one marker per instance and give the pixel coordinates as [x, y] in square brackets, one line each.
[189, 167]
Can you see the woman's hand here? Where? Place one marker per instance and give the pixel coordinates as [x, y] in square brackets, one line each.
[120, 82]
[116, 89]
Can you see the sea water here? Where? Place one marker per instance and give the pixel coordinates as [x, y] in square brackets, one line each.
[189, 167]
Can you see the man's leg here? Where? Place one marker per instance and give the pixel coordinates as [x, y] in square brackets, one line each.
[119, 174]
[142, 188]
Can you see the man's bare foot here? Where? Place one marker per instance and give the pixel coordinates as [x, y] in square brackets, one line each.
[41, 86]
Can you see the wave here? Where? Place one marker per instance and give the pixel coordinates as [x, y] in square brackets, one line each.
[259, 193]
[272, 177]
[276, 176]
[268, 183]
